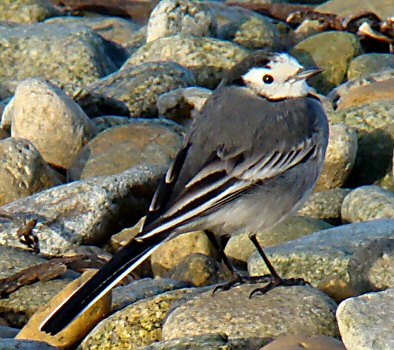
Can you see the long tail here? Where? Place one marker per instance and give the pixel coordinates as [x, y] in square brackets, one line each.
[124, 261]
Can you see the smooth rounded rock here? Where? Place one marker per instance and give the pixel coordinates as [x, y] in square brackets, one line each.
[340, 157]
[364, 65]
[51, 120]
[23, 171]
[12, 344]
[122, 147]
[301, 342]
[368, 203]
[171, 17]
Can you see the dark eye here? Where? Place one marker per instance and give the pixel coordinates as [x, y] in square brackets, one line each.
[268, 79]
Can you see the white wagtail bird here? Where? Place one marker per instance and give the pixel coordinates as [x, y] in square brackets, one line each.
[252, 156]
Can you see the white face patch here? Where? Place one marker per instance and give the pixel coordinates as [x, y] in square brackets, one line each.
[281, 69]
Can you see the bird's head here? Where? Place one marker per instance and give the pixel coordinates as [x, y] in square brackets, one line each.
[273, 75]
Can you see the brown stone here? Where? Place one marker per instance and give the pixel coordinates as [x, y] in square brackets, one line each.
[302, 342]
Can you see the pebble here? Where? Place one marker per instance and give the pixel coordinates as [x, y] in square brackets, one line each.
[51, 120]
[12, 344]
[366, 64]
[300, 342]
[366, 322]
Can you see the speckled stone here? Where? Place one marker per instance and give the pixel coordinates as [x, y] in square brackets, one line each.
[27, 11]
[120, 148]
[375, 131]
[289, 310]
[325, 205]
[340, 157]
[140, 84]
[23, 171]
[331, 51]
[75, 54]
[240, 248]
[134, 326]
[364, 65]
[368, 203]
[83, 212]
[324, 253]
[208, 58]
[51, 120]
[171, 17]
[366, 322]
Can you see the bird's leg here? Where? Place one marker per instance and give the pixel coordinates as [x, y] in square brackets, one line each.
[236, 277]
[276, 280]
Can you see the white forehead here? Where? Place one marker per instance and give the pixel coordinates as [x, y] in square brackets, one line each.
[283, 66]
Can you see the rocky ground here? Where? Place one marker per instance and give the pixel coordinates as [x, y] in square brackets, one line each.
[93, 109]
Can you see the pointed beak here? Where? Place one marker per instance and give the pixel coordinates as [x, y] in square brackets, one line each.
[307, 73]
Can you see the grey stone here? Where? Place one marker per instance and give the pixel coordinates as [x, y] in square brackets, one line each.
[375, 130]
[368, 203]
[142, 289]
[340, 157]
[20, 344]
[324, 253]
[208, 58]
[51, 120]
[240, 248]
[137, 325]
[27, 11]
[383, 8]
[139, 86]
[74, 54]
[171, 17]
[24, 302]
[371, 268]
[370, 63]
[366, 322]
[83, 212]
[8, 332]
[289, 310]
[325, 205]
[331, 51]
[202, 342]
[119, 148]
[23, 171]
[110, 121]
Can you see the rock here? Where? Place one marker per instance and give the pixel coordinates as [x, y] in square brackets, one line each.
[200, 270]
[4, 134]
[290, 310]
[364, 65]
[331, 51]
[325, 205]
[207, 58]
[51, 120]
[180, 105]
[300, 341]
[375, 130]
[173, 252]
[383, 8]
[8, 332]
[135, 326]
[340, 157]
[366, 322]
[324, 253]
[362, 95]
[27, 11]
[110, 121]
[83, 212]
[72, 54]
[240, 248]
[142, 289]
[116, 29]
[368, 203]
[23, 171]
[20, 305]
[12, 344]
[72, 335]
[171, 17]
[202, 342]
[139, 86]
[120, 148]
[372, 267]
[6, 116]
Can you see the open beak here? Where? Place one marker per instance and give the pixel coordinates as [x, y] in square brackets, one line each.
[307, 73]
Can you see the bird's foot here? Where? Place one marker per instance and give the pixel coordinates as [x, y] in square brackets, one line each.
[278, 282]
[237, 280]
